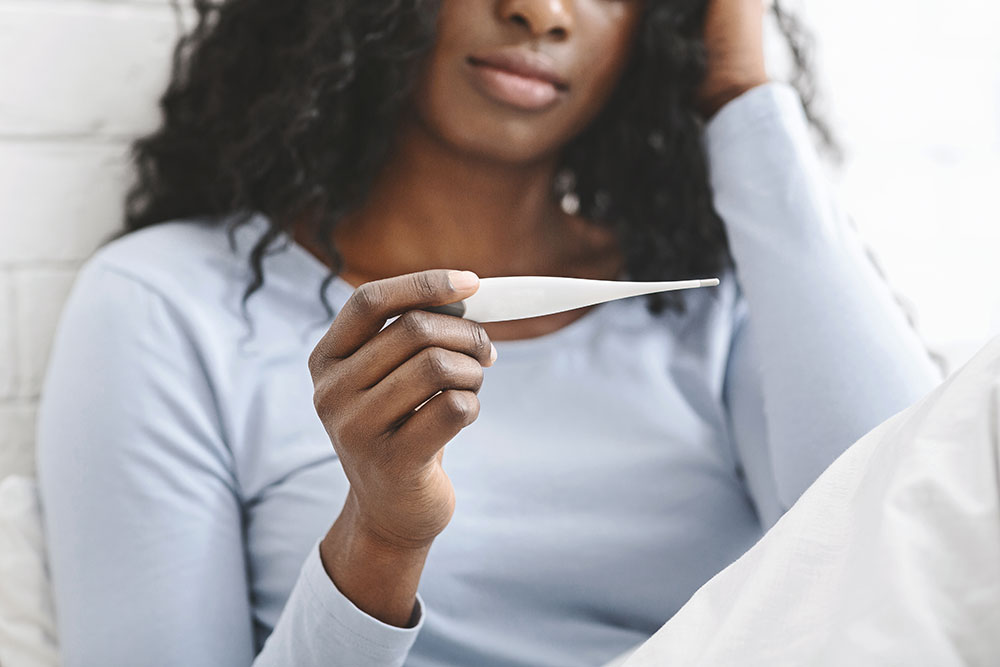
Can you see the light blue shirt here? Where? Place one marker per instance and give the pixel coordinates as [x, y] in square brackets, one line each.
[616, 465]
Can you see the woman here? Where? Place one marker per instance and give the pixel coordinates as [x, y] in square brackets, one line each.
[326, 166]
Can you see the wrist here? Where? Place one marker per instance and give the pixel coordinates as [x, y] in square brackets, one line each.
[378, 576]
[376, 533]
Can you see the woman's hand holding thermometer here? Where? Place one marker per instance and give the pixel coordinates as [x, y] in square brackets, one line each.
[369, 382]
[391, 397]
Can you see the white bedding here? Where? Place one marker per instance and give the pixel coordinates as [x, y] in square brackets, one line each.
[891, 558]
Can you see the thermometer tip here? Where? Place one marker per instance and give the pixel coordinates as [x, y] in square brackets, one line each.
[710, 282]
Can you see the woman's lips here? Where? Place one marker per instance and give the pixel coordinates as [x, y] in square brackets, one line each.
[522, 91]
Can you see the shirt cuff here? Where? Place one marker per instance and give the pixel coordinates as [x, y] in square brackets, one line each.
[383, 643]
[772, 103]
[348, 630]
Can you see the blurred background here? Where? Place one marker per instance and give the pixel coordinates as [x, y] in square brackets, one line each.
[911, 88]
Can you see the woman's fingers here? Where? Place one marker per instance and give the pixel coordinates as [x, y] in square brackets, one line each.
[430, 371]
[412, 332]
[372, 304]
[369, 383]
[432, 426]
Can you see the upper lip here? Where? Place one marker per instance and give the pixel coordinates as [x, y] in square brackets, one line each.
[531, 64]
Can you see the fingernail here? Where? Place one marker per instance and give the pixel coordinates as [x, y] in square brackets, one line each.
[462, 280]
[493, 354]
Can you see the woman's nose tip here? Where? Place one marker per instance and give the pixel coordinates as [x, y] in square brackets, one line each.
[540, 17]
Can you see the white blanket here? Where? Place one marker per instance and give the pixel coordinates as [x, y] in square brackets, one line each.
[891, 558]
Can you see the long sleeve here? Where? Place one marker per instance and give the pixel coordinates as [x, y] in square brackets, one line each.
[143, 509]
[821, 352]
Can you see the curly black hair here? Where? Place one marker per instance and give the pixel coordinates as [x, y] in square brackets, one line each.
[260, 90]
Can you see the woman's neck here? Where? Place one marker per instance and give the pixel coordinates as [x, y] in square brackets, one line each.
[432, 207]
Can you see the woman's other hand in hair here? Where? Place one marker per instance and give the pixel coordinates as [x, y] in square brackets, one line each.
[734, 42]
[390, 399]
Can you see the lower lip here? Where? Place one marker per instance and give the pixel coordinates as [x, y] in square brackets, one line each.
[514, 90]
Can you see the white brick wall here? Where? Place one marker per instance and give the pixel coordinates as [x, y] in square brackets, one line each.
[89, 68]
[916, 95]
[80, 78]
[60, 197]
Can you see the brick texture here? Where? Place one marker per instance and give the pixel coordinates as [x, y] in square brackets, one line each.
[59, 199]
[39, 295]
[82, 79]
[104, 67]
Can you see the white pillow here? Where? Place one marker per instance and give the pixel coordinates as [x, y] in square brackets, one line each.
[27, 618]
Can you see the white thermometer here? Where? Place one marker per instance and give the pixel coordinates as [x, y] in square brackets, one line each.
[520, 297]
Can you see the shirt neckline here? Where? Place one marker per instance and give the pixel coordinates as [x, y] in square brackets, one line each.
[304, 262]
